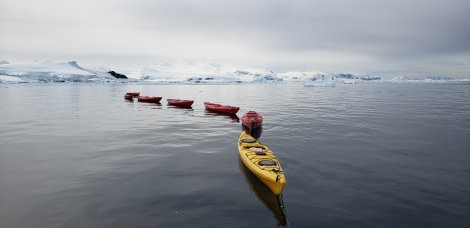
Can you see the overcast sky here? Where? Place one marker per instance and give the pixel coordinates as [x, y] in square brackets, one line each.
[405, 37]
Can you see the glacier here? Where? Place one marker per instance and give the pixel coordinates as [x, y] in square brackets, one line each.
[49, 71]
[181, 72]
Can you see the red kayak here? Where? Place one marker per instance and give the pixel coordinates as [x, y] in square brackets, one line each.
[149, 99]
[179, 102]
[128, 96]
[134, 94]
[221, 108]
[252, 120]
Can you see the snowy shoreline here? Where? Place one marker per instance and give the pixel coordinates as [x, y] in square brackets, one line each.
[178, 73]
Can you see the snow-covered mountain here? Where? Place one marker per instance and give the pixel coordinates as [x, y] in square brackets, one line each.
[49, 71]
[168, 72]
[432, 79]
[178, 72]
[198, 72]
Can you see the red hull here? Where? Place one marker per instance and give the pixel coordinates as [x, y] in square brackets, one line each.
[128, 96]
[134, 94]
[179, 102]
[149, 99]
[252, 120]
[221, 108]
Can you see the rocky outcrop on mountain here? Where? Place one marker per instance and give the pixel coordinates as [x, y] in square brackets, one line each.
[117, 75]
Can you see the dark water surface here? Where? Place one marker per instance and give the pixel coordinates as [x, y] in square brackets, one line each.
[364, 155]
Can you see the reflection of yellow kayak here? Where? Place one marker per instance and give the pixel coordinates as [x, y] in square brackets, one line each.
[262, 162]
[265, 195]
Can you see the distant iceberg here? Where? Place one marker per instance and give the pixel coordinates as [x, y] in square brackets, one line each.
[320, 80]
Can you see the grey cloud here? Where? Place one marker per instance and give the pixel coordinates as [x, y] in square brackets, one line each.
[430, 26]
[379, 33]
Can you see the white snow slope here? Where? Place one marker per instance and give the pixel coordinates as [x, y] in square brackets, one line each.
[175, 72]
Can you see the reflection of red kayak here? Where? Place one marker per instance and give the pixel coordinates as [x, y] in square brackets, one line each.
[149, 99]
[179, 102]
[231, 116]
[252, 120]
[221, 108]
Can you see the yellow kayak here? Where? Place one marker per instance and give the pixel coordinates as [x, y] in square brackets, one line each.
[262, 162]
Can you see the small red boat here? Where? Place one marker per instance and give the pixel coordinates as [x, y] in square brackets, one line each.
[179, 102]
[252, 120]
[129, 97]
[134, 94]
[149, 99]
[221, 108]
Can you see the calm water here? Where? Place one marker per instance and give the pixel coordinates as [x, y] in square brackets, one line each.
[364, 155]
